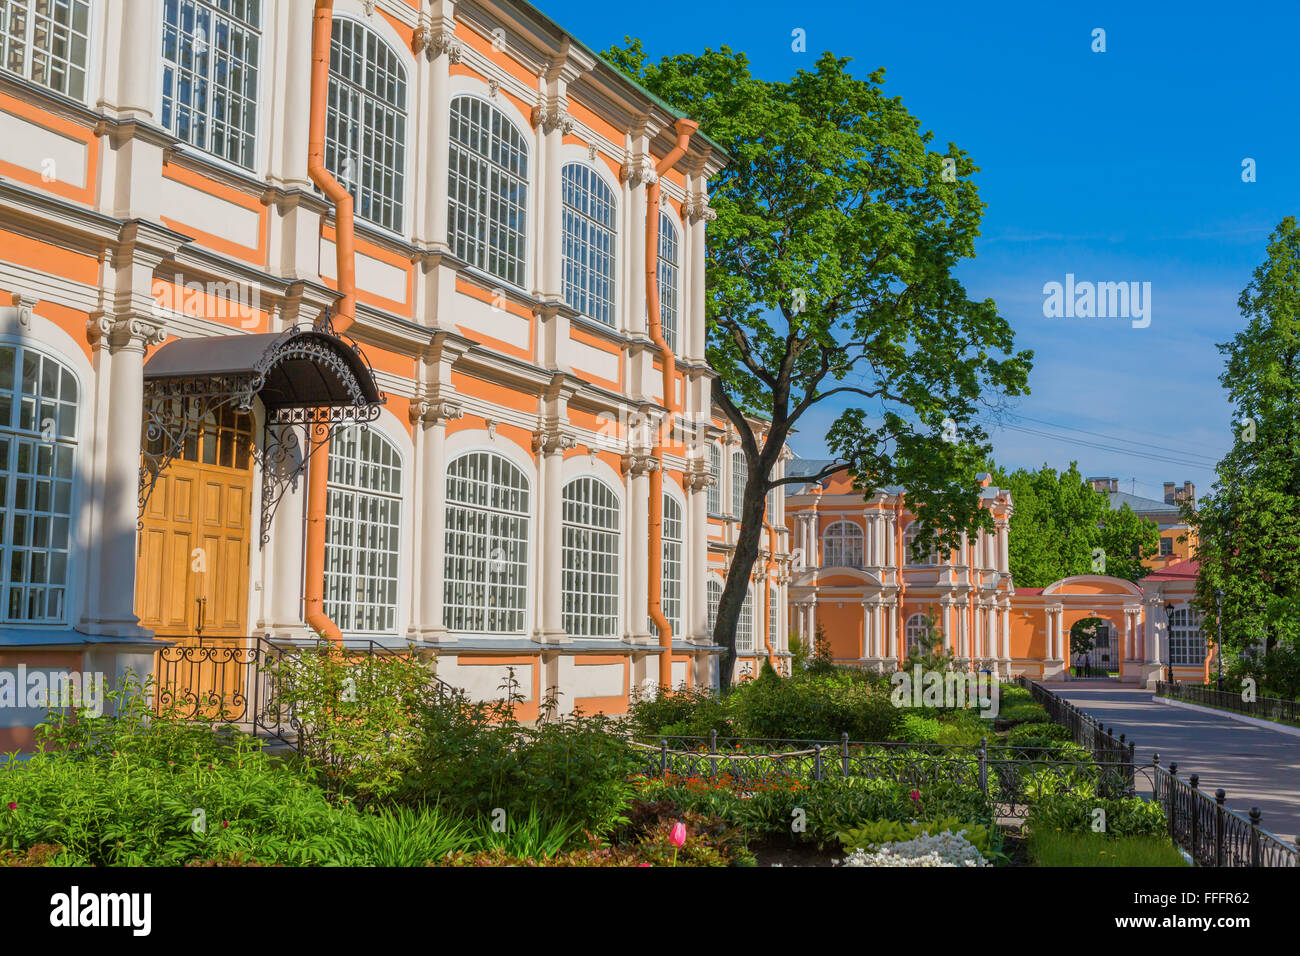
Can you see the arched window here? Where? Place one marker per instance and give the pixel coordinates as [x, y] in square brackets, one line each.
[745, 623]
[739, 477]
[671, 583]
[487, 213]
[842, 545]
[485, 575]
[909, 559]
[669, 278]
[210, 53]
[363, 529]
[591, 550]
[1186, 640]
[46, 41]
[714, 499]
[715, 598]
[588, 243]
[365, 123]
[915, 633]
[38, 459]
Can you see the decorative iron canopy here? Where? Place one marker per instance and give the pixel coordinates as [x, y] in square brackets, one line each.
[313, 377]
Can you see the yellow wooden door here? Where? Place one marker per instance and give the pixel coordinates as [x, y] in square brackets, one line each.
[194, 542]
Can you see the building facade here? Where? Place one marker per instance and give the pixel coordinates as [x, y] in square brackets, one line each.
[169, 262]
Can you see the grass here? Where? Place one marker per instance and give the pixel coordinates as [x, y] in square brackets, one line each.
[1098, 849]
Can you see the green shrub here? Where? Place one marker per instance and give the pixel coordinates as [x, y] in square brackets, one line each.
[1020, 713]
[1075, 813]
[813, 707]
[408, 837]
[679, 713]
[1039, 734]
[1095, 849]
[917, 729]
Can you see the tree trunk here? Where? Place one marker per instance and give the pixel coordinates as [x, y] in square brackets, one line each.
[742, 563]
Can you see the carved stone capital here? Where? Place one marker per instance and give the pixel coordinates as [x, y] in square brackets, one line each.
[22, 310]
[698, 479]
[637, 465]
[437, 42]
[434, 411]
[552, 118]
[552, 441]
[638, 171]
[124, 333]
[697, 207]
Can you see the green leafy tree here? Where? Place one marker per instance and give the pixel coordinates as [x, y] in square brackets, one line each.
[1248, 527]
[1062, 526]
[830, 281]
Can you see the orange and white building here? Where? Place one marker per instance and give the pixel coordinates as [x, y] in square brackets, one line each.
[857, 580]
[189, 312]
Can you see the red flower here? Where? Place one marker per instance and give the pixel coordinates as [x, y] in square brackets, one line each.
[916, 796]
[13, 806]
[225, 823]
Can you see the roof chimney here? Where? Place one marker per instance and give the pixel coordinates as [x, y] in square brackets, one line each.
[1169, 492]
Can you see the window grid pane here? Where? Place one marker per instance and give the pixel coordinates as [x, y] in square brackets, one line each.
[745, 624]
[714, 499]
[38, 427]
[591, 551]
[929, 561]
[365, 128]
[669, 276]
[842, 545]
[588, 243]
[487, 213]
[1186, 640]
[739, 477]
[671, 579]
[210, 52]
[363, 532]
[715, 598]
[46, 41]
[915, 631]
[485, 571]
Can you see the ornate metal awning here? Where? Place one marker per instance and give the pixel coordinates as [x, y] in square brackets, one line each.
[313, 377]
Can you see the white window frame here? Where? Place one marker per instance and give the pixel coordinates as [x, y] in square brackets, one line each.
[592, 545]
[932, 560]
[745, 622]
[714, 599]
[63, 29]
[590, 214]
[674, 553]
[373, 180]
[470, 228]
[53, 430]
[363, 533]
[1187, 646]
[669, 275]
[171, 108]
[713, 497]
[916, 627]
[739, 478]
[488, 530]
[838, 545]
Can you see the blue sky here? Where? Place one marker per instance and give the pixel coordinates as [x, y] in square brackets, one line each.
[1116, 166]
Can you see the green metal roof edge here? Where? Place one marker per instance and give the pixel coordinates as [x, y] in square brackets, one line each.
[662, 104]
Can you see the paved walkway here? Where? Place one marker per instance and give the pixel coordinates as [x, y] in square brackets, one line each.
[1256, 766]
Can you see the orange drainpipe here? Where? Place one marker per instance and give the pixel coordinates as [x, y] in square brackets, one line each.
[345, 314]
[685, 128]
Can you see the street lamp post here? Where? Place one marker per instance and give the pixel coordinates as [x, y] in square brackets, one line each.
[1218, 650]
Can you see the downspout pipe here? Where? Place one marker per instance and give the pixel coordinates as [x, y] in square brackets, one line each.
[345, 314]
[767, 577]
[685, 128]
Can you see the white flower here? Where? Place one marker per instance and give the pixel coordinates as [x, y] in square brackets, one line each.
[941, 849]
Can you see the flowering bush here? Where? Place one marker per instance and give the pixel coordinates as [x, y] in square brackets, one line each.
[940, 849]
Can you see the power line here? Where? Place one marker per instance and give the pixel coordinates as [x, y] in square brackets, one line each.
[1115, 438]
[1099, 446]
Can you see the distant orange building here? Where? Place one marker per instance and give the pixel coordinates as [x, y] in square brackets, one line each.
[857, 581]
[1177, 539]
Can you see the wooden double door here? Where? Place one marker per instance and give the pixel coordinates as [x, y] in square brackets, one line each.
[194, 543]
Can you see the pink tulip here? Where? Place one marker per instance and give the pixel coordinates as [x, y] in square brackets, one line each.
[639, 865]
[916, 796]
[678, 835]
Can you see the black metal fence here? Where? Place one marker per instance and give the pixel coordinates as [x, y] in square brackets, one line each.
[1010, 777]
[1265, 708]
[249, 682]
[1113, 753]
[1214, 835]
